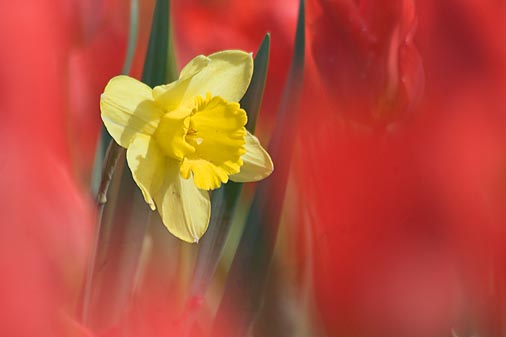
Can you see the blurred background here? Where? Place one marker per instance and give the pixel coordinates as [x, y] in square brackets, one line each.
[393, 220]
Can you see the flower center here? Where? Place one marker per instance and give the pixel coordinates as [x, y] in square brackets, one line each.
[207, 139]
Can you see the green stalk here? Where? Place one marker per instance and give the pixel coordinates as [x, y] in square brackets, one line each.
[108, 166]
[110, 281]
[247, 277]
[225, 199]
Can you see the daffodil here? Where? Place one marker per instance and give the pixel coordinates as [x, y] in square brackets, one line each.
[187, 137]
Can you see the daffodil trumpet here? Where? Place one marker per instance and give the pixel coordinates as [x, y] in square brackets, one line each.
[187, 137]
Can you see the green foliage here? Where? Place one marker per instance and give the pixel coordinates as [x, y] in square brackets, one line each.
[248, 274]
[224, 200]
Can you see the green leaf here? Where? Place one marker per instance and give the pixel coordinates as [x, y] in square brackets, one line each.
[123, 222]
[248, 274]
[104, 138]
[160, 60]
[252, 100]
[132, 36]
[225, 199]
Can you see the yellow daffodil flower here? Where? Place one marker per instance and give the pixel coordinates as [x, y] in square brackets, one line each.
[186, 138]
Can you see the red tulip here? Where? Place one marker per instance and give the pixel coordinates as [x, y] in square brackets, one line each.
[95, 53]
[49, 101]
[407, 231]
[365, 53]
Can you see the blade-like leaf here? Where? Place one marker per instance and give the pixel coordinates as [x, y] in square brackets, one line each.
[248, 273]
[252, 100]
[117, 252]
[159, 66]
[225, 199]
[104, 138]
[132, 36]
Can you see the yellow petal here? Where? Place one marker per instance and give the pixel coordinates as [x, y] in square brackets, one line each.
[169, 96]
[128, 108]
[227, 75]
[147, 164]
[185, 209]
[257, 164]
[217, 132]
[194, 66]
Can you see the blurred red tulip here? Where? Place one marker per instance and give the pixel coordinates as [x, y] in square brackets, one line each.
[95, 53]
[364, 52]
[408, 220]
[53, 66]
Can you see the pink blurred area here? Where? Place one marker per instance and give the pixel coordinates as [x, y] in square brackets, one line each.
[56, 57]
[406, 204]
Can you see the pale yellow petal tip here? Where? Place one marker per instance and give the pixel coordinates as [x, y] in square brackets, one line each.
[194, 66]
[147, 197]
[231, 52]
[188, 235]
[121, 80]
[257, 163]
[187, 238]
[236, 56]
[270, 165]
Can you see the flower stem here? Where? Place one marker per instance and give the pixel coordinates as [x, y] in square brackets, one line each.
[111, 160]
[113, 153]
